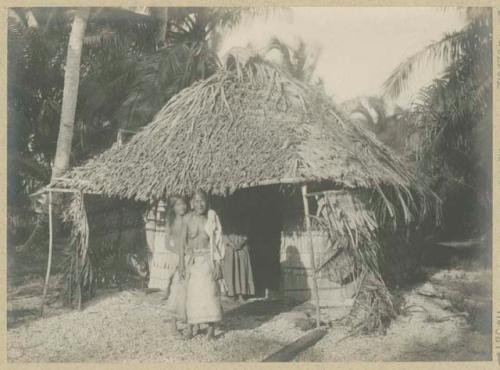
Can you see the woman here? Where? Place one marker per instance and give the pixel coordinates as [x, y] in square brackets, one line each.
[238, 275]
[204, 233]
[175, 244]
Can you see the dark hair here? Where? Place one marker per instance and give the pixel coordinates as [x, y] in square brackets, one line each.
[170, 207]
[200, 193]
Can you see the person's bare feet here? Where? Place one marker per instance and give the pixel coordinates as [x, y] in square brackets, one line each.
[173, 329]
[188, 333]
[211, 332]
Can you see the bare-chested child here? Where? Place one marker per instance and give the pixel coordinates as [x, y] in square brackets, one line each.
[175, 243]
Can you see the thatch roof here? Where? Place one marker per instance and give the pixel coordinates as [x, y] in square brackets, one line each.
[248, 124]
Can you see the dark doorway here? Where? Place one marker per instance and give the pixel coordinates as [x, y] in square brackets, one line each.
[257, 213]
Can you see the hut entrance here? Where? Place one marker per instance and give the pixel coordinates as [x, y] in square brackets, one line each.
[257, 213]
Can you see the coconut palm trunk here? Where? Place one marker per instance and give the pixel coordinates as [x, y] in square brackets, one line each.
[161, 15]
[70, 92]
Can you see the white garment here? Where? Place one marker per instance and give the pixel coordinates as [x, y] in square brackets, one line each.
[214, 230]
[217, 249]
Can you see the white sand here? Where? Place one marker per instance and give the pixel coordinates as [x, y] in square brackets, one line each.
[132, 327]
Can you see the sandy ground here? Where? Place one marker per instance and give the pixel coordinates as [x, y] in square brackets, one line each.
[130, 326]
[436, 326]
[410, 338]
[443, 318]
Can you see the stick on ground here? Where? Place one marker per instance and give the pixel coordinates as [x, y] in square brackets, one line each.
[288, 352]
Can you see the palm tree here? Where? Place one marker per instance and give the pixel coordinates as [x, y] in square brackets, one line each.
[113, 38]
[33, 100]
[453, 117]
[391, 124]
[370, 111]
[70, 92]
[121, 67]
[161, 15]
[124, 76]
[38, 41]
[450, 49]
[190, 54]
[299, 60]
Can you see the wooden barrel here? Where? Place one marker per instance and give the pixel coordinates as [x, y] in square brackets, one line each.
[155, 238]
[155, 226]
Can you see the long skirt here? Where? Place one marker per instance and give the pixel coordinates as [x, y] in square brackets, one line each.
[238, 272]
[203, 304]
[176, 303]
[162, 269]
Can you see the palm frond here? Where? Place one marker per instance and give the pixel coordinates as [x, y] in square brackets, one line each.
[121, 28]
[297, 60]
[277, 44]
[29, 166]
[474, 36]
[445, 50]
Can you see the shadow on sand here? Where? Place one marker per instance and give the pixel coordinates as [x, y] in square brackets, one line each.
[253, 314]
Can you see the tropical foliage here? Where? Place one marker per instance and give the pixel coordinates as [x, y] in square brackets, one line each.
[298, 60]
[36, 77]
[391, 124]
[453, 119]
[190, 54]
[124, 78]
[447, 130]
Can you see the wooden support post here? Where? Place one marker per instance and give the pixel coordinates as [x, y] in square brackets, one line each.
[49, 260]
[119, 137]
[311, 252]
[78, 259]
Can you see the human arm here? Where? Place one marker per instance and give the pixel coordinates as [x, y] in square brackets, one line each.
[182, 251]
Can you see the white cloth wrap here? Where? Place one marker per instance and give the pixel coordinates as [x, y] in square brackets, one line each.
[214, 230]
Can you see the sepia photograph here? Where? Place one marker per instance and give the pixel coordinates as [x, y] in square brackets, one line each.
[249, 184]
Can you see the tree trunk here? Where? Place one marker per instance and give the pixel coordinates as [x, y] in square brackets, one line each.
[161, 14]
[31, 19]
[70, 92]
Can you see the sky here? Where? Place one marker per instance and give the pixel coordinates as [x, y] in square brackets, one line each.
[358, 47]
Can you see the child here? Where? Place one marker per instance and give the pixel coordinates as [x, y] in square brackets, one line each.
[175, 243]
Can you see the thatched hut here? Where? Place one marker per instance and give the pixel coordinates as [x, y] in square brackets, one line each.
[266, 147]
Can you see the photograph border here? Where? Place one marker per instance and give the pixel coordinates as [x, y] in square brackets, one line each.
[494, 363]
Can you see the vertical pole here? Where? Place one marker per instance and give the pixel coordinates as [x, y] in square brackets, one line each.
[119, 137]
[311, 252]
[49, 260]
[82, 251]
[78, 285]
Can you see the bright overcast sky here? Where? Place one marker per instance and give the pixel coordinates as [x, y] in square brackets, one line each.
[360, 47]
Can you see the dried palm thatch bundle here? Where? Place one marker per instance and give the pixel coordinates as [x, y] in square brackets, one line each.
[248, 124]
[373, 308]
[351, 227]
[79, 269]
[349, 219]
[104, 233]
